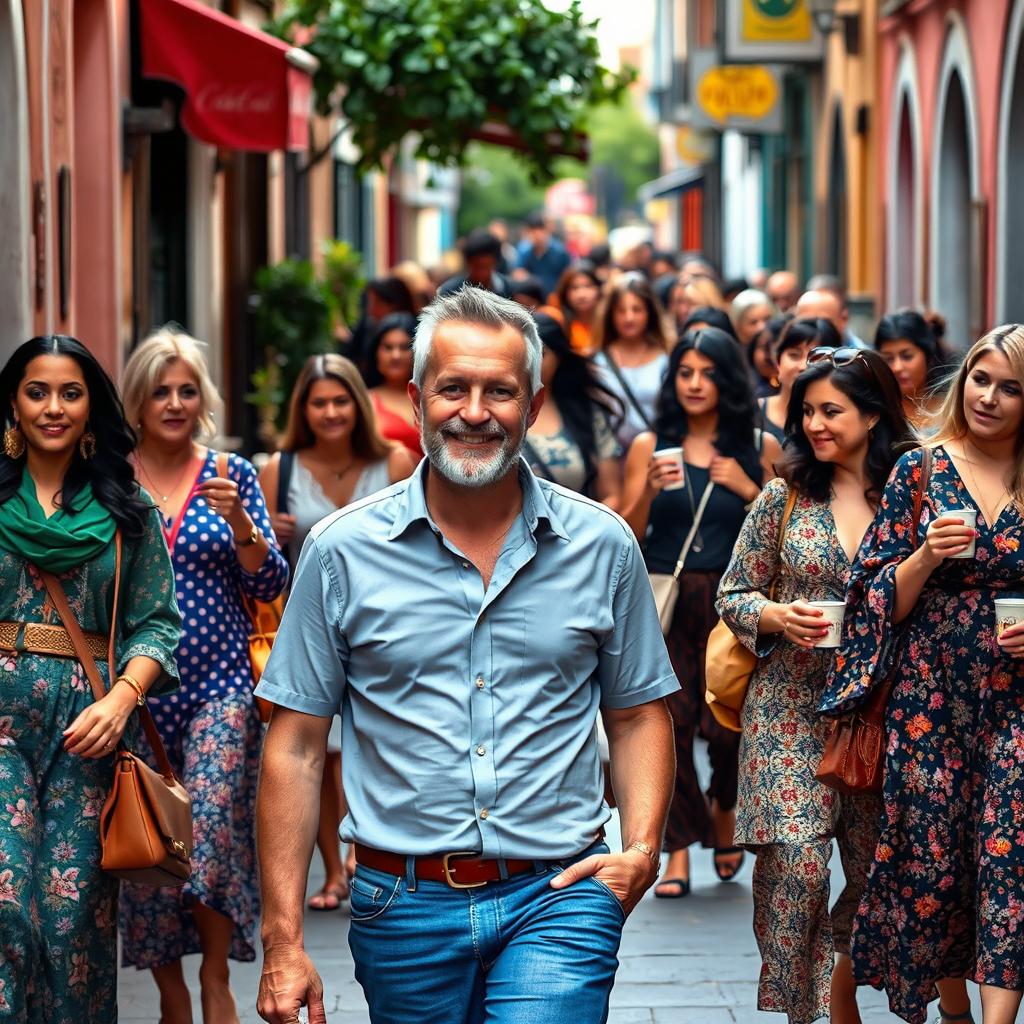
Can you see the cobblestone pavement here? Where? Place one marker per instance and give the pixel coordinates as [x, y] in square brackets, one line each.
[691, 961]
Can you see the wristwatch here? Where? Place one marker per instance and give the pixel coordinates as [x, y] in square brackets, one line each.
[254, 535]
[646, 849]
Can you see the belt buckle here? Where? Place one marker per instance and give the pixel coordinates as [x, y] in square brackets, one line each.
[446, 867]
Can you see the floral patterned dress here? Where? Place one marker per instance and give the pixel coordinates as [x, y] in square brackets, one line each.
[785, 816]
[58, 936]
[211, 730]
[946, 893]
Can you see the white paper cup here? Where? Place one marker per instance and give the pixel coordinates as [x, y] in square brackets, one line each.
[970, 518]
[833, 618]
[1009, 611]
[672, 455]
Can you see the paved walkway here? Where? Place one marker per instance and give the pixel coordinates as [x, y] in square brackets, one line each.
[690, 961]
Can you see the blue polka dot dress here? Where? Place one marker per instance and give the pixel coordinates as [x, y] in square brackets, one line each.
[211, 730]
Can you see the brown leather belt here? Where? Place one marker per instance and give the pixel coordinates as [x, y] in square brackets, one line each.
[40, 638]
[459, 870]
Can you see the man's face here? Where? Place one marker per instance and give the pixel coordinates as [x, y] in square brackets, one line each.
[782, 290]
[475, 406]
[538, 237]
[822, 305]
[480, 269]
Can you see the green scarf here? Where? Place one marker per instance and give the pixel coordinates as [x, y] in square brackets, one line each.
[62, 542]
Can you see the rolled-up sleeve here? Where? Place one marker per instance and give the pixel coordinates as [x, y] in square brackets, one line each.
[633, 664]
[307, 670]
[149, 624]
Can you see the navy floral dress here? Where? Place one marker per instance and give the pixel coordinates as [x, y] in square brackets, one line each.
[945, 897]
[211, 730]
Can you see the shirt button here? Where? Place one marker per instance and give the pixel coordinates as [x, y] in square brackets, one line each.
[465, 565]
[479, 682]
[483, 814]
[481, 750]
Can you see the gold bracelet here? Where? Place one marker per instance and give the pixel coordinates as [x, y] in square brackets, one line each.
[135, 685]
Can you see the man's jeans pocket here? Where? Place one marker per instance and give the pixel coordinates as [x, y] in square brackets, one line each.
[605, 890]
[369, 899]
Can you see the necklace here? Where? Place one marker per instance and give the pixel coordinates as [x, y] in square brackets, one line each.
[164, 498]
[989, 514]
[340, 473]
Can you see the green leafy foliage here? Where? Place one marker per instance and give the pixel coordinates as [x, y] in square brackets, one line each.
[442, 68]
[343, 279]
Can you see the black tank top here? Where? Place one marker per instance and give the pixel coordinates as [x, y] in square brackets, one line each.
[671, 518]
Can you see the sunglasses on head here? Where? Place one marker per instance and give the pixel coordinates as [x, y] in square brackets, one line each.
[841, 357]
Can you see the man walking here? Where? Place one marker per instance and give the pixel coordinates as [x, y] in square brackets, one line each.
[468, 624]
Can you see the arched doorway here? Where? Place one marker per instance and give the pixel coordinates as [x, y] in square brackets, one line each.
[903, 287]
[1010, 210]
[836, 223]
[951, 292]
[15, 262]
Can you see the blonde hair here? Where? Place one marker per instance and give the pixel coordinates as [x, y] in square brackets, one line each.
[367, 442]
[948, 422]
[702, 291]
[147, 364]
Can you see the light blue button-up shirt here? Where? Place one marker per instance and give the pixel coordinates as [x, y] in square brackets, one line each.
[469, 716]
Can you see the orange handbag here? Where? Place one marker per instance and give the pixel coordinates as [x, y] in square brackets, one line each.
[854, 757]
[146, 822]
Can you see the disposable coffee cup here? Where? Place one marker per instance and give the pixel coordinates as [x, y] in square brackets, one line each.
[672, 455]
[970, 518]
[1009, 611]
[833, 612]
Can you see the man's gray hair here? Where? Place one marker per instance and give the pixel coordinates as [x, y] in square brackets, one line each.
[472, 305]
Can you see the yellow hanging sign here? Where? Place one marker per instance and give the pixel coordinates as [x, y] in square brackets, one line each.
[737, 91]
[776, 21]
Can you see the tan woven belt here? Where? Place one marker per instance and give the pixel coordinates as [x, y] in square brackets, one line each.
[39, 638]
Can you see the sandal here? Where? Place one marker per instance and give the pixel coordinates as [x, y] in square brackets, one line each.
[728, 851]
[947, 1018]
[682, 886]
[329, 898]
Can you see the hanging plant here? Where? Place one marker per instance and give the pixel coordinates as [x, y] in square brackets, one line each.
[447, 70]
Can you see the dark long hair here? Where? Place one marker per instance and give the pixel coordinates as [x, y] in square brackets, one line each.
[924, 332]
[713, 317]
[109, 471]
[872, 387]
[578, 393]
[392, 322]
[737, 410]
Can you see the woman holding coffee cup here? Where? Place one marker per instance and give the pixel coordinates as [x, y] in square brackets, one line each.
[704, 463]
[845, 428]
[947, 887]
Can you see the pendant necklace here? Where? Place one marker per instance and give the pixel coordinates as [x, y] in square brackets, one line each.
[167, 519]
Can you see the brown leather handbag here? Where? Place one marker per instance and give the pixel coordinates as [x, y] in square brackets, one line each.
[146, 823]
[854, 758]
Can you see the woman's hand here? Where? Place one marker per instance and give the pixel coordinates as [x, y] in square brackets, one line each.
[1012, 640]
[222, 498]
[99, 728]
[662, 473]
[800, 623]
[947, 536]
[728, 473]
[284, 526]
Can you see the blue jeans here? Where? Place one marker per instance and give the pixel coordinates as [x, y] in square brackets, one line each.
[512, 952]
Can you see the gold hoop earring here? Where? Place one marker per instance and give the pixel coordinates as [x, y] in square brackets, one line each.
[775, 382]
[87, 445]
[14, 442]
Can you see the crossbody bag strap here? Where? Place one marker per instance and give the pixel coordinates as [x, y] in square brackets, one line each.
[698, 515]
[787, 514]
[60, 602]
[627, 390]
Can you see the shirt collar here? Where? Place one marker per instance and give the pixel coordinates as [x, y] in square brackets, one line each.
[412, 505]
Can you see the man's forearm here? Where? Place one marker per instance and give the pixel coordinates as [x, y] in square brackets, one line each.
[643, 767]
[287, 817]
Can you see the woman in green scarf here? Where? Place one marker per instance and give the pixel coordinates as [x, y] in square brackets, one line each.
[66, 487]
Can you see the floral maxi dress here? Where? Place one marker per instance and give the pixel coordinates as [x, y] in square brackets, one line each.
[945, 897]
[58, 915]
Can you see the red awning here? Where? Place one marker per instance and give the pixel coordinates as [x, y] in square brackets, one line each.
[243, 88]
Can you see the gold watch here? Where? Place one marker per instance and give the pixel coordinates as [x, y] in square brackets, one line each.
[254, 535]
[646, 849]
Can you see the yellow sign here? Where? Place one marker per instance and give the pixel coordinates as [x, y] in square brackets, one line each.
[776, 21]
[695, 146]
[745, 91]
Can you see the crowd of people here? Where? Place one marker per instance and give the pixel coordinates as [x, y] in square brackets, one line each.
[746, 440]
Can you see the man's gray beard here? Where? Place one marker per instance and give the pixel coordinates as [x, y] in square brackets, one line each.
[481, 472]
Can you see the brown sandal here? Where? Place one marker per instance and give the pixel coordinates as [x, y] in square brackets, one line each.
[338, 892]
